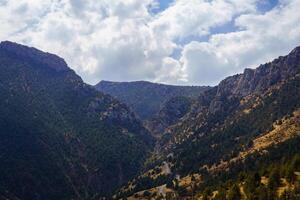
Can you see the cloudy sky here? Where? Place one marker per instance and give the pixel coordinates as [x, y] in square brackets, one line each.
[187, 42]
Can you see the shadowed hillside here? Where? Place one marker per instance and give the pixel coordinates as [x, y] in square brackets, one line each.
[146, 99]
[59, 137]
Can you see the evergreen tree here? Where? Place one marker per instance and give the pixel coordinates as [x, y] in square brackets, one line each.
[234, 193]
[221, 195]
[262, 193]
[274, 179]
[290, 175]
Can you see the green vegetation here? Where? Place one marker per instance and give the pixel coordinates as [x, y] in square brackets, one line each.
[219, 137]
[234, 193]
[262, 184]
[281, 103]
[146, 98]
[60, 138]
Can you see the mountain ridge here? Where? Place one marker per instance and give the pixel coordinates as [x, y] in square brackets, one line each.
[30, 53]
[223, 122]
[145, 98]
[59, 134]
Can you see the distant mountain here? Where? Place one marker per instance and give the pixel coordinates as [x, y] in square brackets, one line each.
[59, 137]
[146, 99]
[232, 141]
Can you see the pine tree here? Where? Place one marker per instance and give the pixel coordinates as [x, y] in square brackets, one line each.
[274, 179]
[221, 195]
[234, 193]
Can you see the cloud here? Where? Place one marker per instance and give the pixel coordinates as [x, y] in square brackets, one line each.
[196, 17]
[124, 40]
[171, 72]
[202, 63]
[261, 38]
[100, 40]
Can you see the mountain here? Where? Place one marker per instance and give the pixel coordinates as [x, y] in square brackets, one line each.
[146, 99]
[170, 114]
[62, 139]
[246, 128]
[59, 137]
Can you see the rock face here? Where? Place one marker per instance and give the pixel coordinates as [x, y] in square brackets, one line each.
[59, 137]
[146, 99]
[258, 80]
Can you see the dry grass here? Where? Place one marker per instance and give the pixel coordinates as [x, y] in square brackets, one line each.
[288, 128]
[159, 191]
[187, 180]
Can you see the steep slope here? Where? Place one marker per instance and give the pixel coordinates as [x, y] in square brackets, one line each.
[239, 93]
[146, 99]
[171, 113]
[59, 137]
[220, 135]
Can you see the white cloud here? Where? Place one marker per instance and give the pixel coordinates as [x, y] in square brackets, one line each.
[101, 40]
[202, 63]
[122, 40]
[171, 72]
[196, 17]
[262, 37]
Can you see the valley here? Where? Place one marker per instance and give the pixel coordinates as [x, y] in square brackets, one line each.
[61, 138]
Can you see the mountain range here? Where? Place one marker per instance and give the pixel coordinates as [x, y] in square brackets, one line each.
[61, 138]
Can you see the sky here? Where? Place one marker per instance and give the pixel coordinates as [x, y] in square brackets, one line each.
[182, 42]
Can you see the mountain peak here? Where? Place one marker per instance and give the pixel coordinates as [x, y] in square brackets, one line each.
[33, 55]
[296, 51]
